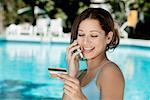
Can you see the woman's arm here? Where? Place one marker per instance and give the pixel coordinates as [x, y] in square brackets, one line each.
[111, 83]
[72, 89]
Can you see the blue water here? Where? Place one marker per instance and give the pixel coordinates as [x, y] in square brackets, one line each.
[24, 74]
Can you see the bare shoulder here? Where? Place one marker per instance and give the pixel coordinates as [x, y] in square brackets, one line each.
[109, 79]
[110, 73]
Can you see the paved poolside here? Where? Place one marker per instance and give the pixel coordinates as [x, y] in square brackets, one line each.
[66, 39]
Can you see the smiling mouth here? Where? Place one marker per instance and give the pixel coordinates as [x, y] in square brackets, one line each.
[88, 49]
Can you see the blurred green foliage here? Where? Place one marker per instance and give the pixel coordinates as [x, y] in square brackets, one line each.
[118, 10]
[65, 9]
[142, 29]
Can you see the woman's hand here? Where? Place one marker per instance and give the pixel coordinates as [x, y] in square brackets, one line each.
[72, 87]
[72, 59]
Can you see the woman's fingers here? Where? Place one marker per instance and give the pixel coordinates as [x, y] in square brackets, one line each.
[70, 48]
[67, 92]
[75, 54]
[72, 58]
[71, 51]
[70, 90]
[72, 45]
[71, 85]
[74, 49]
[67, 77]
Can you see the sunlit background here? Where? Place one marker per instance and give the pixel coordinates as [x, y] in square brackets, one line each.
[34, 35]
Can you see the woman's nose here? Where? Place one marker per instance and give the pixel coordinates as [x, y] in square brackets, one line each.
[86, 40]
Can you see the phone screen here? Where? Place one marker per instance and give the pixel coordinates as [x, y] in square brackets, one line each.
[82, 64]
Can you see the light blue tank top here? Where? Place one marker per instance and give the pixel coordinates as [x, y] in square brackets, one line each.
[91, 90]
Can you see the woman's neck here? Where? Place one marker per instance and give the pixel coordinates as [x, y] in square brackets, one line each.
[95, 63]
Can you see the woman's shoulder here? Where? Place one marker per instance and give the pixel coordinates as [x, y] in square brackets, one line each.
[109, 73]
[110, 69]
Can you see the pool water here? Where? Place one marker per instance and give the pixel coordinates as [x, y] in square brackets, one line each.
[135, 65]
[24, 74]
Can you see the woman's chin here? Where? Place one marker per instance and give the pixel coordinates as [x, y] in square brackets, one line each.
[88, 57]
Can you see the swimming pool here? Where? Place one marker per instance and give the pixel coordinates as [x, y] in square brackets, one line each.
[24, 74]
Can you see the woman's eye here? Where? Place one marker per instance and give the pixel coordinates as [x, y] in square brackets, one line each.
[94, 35]
[80, 34]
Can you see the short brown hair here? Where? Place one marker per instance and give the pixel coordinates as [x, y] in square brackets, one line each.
[106, 22]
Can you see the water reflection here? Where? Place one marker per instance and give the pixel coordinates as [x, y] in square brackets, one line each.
[134, 63]
[25, 64]
[28, 63]
[41, 54]
[129, 68]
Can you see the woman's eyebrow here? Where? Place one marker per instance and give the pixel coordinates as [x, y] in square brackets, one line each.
[96, 31]
[80, 30]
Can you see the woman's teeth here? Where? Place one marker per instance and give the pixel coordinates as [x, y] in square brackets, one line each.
[88, 49]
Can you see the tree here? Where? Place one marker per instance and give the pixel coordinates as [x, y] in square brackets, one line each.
[118, 10]
[10, 11]
[70, 8]
[142, 29]
[66, 9]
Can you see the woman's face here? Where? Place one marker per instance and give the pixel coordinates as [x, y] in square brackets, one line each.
[92, 39]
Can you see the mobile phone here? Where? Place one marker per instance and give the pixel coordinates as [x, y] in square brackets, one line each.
[54, 71]
[80, 55]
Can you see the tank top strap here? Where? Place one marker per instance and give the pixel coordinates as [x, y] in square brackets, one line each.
[101, 67]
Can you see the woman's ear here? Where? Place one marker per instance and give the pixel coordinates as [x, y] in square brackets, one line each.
[109, 37]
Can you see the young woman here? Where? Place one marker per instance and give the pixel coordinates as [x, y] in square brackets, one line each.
[94, 33]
